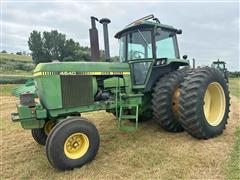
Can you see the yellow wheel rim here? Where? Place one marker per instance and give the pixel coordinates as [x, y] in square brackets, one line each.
[175, 104]
[76, 145]
[48, 127]
[214, 104]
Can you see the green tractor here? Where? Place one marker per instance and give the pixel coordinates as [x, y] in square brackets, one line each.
[149, 82]
[221, 66]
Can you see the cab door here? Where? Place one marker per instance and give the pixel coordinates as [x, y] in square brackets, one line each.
[140, 55]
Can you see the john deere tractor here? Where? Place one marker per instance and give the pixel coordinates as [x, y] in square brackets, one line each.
[221, 66]
[148, 82]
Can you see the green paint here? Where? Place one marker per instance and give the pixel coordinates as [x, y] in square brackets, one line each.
[82, 67]
[49, 90]
[29, 116]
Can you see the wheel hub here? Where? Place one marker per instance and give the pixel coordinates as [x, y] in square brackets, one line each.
[48, 127]
[214, 104]
[76, 145]
[175, 104]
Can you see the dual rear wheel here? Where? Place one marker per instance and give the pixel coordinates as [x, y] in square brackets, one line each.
[197, 102]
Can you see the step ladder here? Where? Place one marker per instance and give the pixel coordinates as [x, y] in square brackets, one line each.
[121, 106]
[133, 116]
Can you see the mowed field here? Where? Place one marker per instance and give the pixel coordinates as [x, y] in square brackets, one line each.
[15, 57]
[149, 153]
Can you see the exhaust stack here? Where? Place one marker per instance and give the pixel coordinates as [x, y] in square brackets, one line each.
[105, 23]
[193, 60]
[94, 44]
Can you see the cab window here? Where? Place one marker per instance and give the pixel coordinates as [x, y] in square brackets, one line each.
[220, 66]
[165, 45]
[122, 49]
[139, 45]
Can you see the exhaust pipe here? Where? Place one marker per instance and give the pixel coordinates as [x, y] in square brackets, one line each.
[94, 44]
[193, 66]
[105, 23]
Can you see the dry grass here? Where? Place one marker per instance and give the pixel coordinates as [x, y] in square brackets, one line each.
[149, 153]
[235, 86]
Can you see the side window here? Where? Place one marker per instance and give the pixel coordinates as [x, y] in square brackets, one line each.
[122, 49]
[165, 45]
[165, 48]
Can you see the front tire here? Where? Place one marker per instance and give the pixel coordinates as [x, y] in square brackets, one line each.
[204, 103]
[40, 134]
[72, 143]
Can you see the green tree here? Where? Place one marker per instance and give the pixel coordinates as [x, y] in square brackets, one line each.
[53, 43]
[3, 51]
[69, 50]
[54, 46]
[35, 44]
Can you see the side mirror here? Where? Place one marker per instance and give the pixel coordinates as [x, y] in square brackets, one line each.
[184, 56]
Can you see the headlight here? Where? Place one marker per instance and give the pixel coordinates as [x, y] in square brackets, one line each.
[160, 62]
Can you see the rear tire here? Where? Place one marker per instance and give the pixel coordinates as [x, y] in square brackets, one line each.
[204, 103]
[72, 143]
[165, 108]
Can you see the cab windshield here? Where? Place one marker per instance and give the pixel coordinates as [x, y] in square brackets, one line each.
[137, 45]
[218, 65]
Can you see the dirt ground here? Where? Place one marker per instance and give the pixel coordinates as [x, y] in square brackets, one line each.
[149, 153]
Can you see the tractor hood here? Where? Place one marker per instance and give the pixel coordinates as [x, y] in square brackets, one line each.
[85, 68]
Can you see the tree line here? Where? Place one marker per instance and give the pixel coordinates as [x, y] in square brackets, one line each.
[49, 46]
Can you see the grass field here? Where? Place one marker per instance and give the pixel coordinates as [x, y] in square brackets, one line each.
[15, 68]
[5, 90]
[235, 86]
[15, 57]
[234, 163]
[149, 153]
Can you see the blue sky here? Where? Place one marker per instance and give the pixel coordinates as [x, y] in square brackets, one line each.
[210, 29]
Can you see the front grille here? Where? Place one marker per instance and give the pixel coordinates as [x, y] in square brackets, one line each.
[76, 91]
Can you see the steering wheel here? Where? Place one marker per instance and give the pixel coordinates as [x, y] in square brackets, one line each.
[137, 55]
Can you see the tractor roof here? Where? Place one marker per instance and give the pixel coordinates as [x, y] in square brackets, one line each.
[219, 62]
[145, 23]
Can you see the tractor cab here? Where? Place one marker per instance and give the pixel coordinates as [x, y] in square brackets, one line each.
[146, 44]
[221, 66]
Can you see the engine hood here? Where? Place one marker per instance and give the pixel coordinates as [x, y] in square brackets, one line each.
[73, 68]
